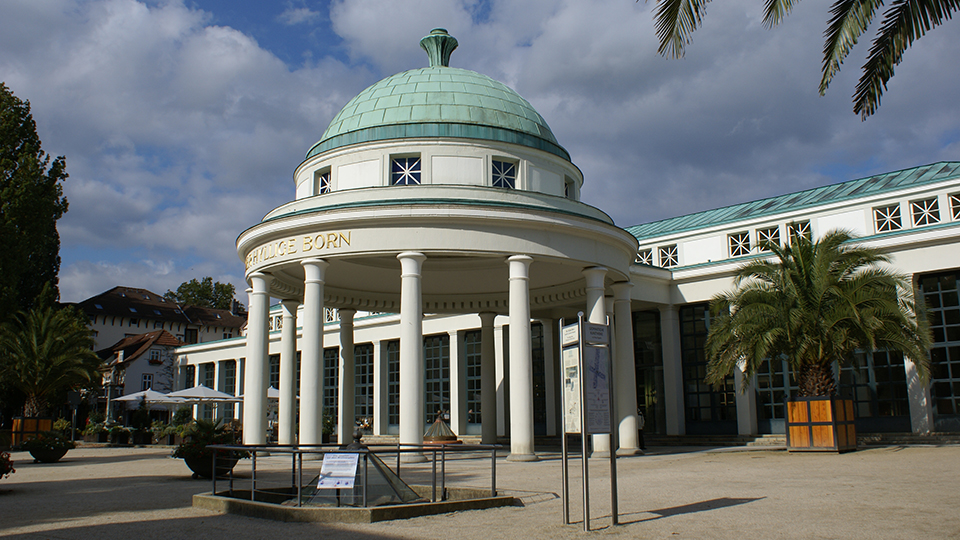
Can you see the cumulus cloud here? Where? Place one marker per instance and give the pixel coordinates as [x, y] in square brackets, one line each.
[298, 15]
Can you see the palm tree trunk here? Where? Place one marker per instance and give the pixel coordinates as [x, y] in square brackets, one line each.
[816, 380]
[34, 406]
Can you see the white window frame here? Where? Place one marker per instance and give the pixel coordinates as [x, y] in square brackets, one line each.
[323, 181]
[925, 212]
[888, 218]
[739, 243]
[767, 236]
[644, 256]
[407, 173]
[668, 256]
[499, 173]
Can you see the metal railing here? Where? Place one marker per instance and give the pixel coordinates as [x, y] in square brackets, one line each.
[297, 451]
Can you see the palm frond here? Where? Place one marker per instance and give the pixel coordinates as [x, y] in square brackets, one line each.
[675, 20]
[905, 22]
[774, 11]
[848, 20]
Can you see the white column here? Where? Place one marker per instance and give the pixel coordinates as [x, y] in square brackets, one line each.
[380, 409]
[596, 313]
[311, 353]
[920, 402]
[625, 370]
[458, 383]
[521, 361]
[411, 353]
[488, 380]
[348, 385]
[746, 405]
[287, 406]
[672, 370]
[255, 383]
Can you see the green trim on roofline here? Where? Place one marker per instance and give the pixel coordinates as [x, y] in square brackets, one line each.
[435, 129]
[437, 201]
[851, 189]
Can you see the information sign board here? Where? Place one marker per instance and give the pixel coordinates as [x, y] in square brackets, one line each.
[338, 471]
[596, 367]
[595, 333]
[571, 389]
[570, 335]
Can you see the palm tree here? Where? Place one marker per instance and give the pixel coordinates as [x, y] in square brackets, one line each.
[903, 23]
[44, 351]
[815, 305]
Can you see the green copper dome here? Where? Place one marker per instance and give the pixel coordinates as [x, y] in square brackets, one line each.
[439, 101]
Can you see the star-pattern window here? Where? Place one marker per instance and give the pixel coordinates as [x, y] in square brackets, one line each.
[887, 218]
[925, 212]
[767, 237]
[955, 205]
[405, 171]
[323, 182]
[644, 256]
[739, 244]
[669, 256]
[798, 229]
[504, 174]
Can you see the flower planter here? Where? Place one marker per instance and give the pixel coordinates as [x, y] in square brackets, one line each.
[48, 456]
[26, 428]
[101, 437]
[122, 437]
[820, 424]
[202, 467]
[142, 437]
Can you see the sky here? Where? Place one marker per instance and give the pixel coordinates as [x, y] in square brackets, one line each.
[182, 121]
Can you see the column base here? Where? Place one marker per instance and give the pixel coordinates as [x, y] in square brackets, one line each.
[413, 458]
[600, 454]
[523, 457]
[629, 452]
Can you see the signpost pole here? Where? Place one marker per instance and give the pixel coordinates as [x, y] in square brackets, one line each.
[584, 427]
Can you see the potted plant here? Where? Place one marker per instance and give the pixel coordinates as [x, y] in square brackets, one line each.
[6, 465]
[194, 452]
[48, 446]
[815, 304]
[328, 427]
[119, 434]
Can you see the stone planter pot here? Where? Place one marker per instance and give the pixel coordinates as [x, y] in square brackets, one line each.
[101, 437]
[122, 437]
[142, 437]
[202, 467]
[821, 424]
[48, 456]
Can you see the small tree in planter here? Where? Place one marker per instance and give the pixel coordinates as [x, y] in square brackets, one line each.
[815, 305]
[95, 430]
[197, 436]
[48, 446]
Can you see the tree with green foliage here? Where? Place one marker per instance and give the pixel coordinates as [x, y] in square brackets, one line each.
[815, 305]
[46, 351]
[904, 22]
[31, 202]
[203, 293]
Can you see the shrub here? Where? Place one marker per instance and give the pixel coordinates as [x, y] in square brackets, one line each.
[6, 465]
[201, 433]
[48, 440]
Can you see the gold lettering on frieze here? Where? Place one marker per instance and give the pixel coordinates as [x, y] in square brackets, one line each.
[291, 246]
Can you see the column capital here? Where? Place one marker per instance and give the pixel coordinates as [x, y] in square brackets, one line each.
[621, 291]
[346, 315]
[290, 304]
[410, 263]
[519, 266]
[487, 318]
[595, 276]
[314, 270]
[258, 283]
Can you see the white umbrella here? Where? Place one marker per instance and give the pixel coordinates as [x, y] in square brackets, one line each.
[149, 396]
[201, 393]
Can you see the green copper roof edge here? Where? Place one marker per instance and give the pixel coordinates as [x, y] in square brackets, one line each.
[636, 230]
[752, 256]
[436, 129]
[422, 202]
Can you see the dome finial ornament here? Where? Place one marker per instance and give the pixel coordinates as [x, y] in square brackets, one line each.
[439, 44]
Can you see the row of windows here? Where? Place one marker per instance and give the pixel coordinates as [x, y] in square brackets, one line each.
[407, 171]
[739, 244]
[922, 212]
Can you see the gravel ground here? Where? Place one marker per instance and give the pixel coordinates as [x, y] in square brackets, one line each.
[875, 493]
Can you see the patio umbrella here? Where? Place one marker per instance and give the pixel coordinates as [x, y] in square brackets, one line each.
[204, 394]
[149, 396]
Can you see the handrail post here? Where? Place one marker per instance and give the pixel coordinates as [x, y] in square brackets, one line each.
[493, 471]
[365, 479]
[253, 477]
[299, 477]
[443, 472]
[433, 484]
[214, 474]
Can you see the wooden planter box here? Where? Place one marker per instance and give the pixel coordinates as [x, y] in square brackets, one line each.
[819, 424]
[26, 428]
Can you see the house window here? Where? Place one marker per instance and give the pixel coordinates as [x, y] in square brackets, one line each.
[436, 357]
[393, 382]
[323, 182]
[274, 378]
[191, 336]
[157, 324]
[798, 229]
[471, 345]
[644, 256]
[363, 391]
[925, 212]
[569, 189]
[190, 377]
[768, 237]
[887, 218]
[668, 256]
[739, 244]
[405, 171]
[135, 322]
[155, 357]
[504, 174]
[955, 206]
[331, 383]
[147, 381]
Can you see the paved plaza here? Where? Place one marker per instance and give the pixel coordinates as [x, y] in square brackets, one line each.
[885, 492]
